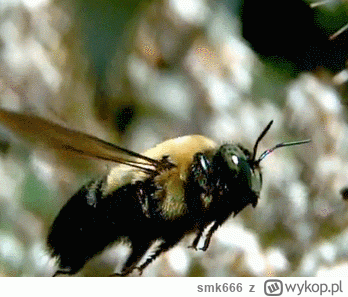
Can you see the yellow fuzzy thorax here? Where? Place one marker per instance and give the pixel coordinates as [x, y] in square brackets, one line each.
[180, 151]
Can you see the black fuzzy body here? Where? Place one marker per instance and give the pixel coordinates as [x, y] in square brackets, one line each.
[91, 220]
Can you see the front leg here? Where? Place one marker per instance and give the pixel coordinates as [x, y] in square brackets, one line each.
[209, 235]
[196, 240]
[201, 170]
[199, 185]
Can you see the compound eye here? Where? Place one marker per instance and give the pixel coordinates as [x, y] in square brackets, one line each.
[235, 159]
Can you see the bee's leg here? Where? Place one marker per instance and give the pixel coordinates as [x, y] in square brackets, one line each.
[196, 240]
[62, 271]
[138, 251]
[209, 235]
[202, 169]
[163, 247]
[201, 183]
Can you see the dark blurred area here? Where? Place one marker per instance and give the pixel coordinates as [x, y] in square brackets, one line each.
[295, 37]
[136, 73]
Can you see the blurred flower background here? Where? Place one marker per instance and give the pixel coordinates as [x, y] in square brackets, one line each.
[136, 73]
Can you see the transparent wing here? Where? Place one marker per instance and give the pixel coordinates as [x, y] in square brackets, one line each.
[44, 133]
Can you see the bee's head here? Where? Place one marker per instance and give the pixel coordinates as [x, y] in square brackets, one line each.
[238, 165]
[242, 166]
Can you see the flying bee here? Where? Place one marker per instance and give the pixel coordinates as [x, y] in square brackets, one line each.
[183, 185]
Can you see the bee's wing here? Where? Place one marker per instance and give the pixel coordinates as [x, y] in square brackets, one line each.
[45, 133]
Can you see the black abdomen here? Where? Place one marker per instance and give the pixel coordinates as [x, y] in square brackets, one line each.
[90, 222]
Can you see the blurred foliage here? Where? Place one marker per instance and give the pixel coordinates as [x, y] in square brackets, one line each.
[103, 28]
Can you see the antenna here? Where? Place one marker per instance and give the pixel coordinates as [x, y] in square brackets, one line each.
[267, 152]
[263, 133]
[279, 145]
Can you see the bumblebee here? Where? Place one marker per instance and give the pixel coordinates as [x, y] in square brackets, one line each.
[183, 185]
